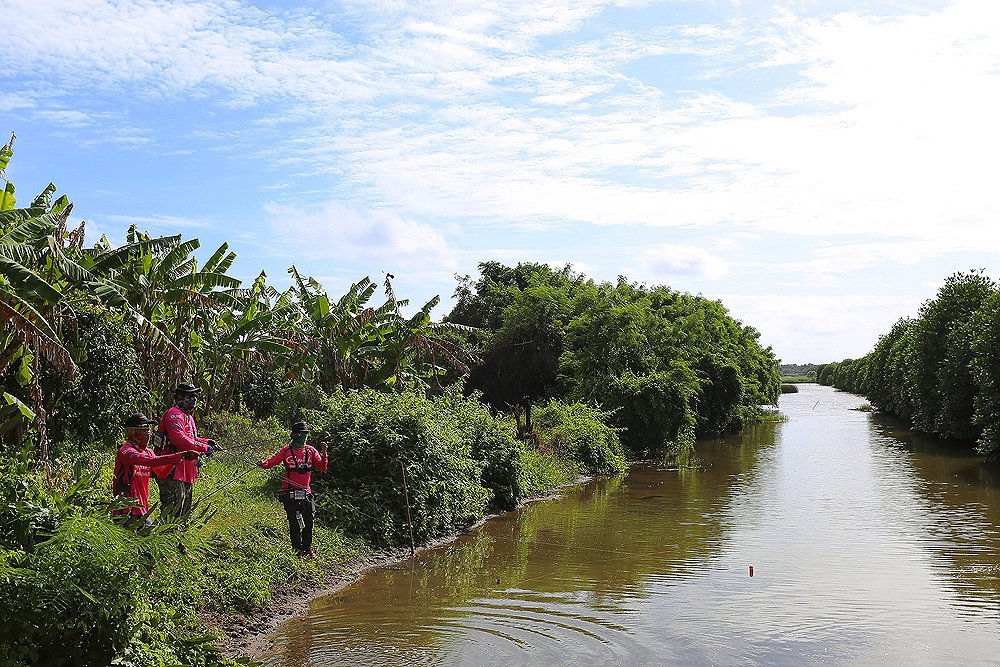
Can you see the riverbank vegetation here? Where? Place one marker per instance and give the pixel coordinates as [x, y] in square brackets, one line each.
[939, 371]
[536, 377]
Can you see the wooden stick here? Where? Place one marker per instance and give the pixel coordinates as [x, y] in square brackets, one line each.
[406, 497]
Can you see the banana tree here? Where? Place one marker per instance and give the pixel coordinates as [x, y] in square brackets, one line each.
[35, 271]
[351, 344]
[160, 280]
[236, 340]
[333, 336]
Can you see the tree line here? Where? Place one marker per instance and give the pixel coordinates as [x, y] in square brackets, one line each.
[669, 366]
[938, 371]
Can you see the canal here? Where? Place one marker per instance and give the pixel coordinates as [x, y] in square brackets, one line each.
[868, 546]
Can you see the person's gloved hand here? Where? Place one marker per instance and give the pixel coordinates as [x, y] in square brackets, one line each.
[210, 450]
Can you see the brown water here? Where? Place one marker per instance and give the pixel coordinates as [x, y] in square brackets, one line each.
[870, 547]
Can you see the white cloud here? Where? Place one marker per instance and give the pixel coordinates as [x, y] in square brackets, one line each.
[817, 328]
[458, 111]
[669, 260]
[13, 101]
[335, 231]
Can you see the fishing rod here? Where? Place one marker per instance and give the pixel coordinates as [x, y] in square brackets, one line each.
[241, 454]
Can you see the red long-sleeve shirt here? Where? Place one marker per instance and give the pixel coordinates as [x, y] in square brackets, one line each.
[293, 458]
[183, 433]
[132, 466]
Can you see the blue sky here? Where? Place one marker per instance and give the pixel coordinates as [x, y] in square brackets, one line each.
[819, 166]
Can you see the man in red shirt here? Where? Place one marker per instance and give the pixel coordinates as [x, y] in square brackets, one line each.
[177, 482]
[132, 465]
[300, 460]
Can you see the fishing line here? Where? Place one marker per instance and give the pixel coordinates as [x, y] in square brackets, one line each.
[244, 457]
[573, 547]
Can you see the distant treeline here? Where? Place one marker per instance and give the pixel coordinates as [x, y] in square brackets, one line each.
[807, 371]
[940, 371]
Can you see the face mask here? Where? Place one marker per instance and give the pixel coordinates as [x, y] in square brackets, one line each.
[299, 440]
[187, 403]
[138, 437]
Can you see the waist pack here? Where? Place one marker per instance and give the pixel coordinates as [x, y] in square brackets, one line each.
[294, 494]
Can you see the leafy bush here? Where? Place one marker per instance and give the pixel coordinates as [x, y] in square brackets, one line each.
[493, 444]
[372, 438]
[544, 472]
[718, 401]
[90, 408]
[652, 410]
[579, 432]
[295, 400]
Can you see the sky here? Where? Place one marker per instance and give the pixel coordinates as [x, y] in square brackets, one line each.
[820, 167]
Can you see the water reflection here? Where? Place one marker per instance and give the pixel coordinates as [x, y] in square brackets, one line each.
[869, 546]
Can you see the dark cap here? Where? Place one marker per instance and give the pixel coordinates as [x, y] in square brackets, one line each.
[186, 388]
[300, 427]
[138, 420]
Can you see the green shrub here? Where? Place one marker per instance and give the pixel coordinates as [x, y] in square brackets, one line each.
[544, 472]
[579, 432]
[652, 410]
[372, 437]
[90, 408]
[294, 401]
[718, 400]
[493, 444]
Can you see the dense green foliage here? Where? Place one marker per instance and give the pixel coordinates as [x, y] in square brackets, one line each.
[668, 366]
[374, 437]
[457, 458]
[939, 371]
[579, 432]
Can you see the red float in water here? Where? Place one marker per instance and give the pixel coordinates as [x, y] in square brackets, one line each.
[751, 570]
